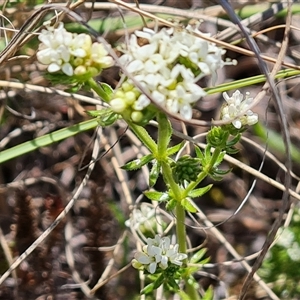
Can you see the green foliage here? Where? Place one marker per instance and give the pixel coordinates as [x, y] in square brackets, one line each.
[196, 258]
[200, 191]
[189, 205]
[280, 268]
[231, 143]
[138, 163]
[217, 137]
[106, 116]
[209, 294]
[47, 139]
[186, 169]
[154, 173]
[168, 277]
[157, 196]
[212, 168]
[173, 150]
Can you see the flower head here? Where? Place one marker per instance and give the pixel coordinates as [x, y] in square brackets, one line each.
[159, 252]
[143, 217]
[237, 110]
[71, 53]
[167, 66]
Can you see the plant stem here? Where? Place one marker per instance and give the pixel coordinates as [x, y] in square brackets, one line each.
[164, 135]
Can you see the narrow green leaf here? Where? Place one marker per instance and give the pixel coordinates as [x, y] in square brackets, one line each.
[200, 191]
[137, 163]
[107, 88]
[189, 205]
[198, 256]
[220, 158]
[221, 172]
[275, 142]
[171, 204]
[199, 154]
[159, 281]
[47, 139]
[249, 81]
[175, 149]
[105, 116]
[232, 150]
[209, 294]
[235, 140]
[207, 155]
[156, 196]
[183, 295]
[148, 289]
[173, 284]
[154, 173]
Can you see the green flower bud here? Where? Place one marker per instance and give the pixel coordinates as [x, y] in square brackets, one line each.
[217, 137]
[186, 169]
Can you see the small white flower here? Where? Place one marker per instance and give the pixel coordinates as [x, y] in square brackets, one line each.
[100, 56]
[70, 53]
[143, 216]
[237, 110]
[158, 252]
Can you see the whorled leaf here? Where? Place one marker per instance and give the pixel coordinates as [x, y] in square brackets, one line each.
[106, 88]
[198, 256]
[189, 205]
[106, 116]
[174, 149]
[154, 173]
[156, 196]
[200, 191]
[137, 163]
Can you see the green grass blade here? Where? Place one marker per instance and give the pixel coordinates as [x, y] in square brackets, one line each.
[46, 140]
[249, 81]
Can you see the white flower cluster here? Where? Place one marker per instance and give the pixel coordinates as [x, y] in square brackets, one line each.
[168, 67]
[237, 105]
[145, 216]
[158, 252]
[71, 53]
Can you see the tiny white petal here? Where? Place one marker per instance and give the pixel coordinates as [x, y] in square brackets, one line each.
[67, 69]
[53, 67]
[152, 267]
[142, 258]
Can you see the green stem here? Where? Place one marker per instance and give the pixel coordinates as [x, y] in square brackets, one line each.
[180, 227]
[164, 135]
